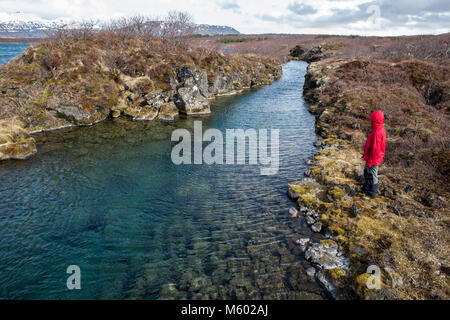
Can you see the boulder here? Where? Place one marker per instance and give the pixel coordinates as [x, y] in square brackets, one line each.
[303, 243]
[168, 111]
[158, 97]
[314, 54]
[191, 95]
[115, 113]
[291, 194]
[15, 142]
[311, 272]
[81, 116]
[146, 113]
[316, 227]
[310, 220]
[326, 255]
[221, 84]
[297, 51]
[292, 212]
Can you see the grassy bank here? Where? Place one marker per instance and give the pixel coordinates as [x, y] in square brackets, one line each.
[405, 230]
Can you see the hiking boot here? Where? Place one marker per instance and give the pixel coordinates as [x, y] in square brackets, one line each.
[364, 187]
[365, 197]
[372, 191]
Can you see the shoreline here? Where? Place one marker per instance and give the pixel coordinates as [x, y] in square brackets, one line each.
[21, 40]
[359, 233]
[72, 96]
[110, 117]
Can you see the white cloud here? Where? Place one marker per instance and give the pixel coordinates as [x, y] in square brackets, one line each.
[259, 16]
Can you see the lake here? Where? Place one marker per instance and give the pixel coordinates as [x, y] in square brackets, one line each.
[11, 50]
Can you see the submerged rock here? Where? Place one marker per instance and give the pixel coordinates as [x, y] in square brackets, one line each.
[293, 213]
[310, 220]
[303, 243]
[311, 272]
[168, 292]
[317, 227]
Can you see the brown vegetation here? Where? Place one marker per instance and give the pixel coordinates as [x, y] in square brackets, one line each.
[278, 45]
[405, 230]
[82, 76]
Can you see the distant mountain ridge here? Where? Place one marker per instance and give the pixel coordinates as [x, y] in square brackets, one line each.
[19, 25]
[211, 30]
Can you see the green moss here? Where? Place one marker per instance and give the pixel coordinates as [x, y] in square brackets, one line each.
[337, 273]
[324, 218]
[42, 101]
[342, 240]
[369, 211]
[335, 230]
[337, 193]
[361, 280]
[303, 189]
[309, 201]
[316, 170]
[40, 50]
[327, 243]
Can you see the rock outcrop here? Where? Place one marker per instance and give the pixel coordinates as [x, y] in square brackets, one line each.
[168, 111]
[313, 54]
[391, 230]
[15, 142]
[191, 95]
[60, 85]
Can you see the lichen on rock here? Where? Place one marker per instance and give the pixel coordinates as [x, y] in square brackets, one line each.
[15, 143]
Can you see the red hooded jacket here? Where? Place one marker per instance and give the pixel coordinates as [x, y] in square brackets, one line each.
[375, 147]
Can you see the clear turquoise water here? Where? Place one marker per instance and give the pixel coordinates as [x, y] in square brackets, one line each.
[108, 199]
[11, 50]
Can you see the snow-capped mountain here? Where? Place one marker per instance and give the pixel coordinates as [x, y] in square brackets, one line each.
[23, 25]
[207, 29]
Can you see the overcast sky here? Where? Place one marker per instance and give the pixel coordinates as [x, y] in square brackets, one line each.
[379, 17]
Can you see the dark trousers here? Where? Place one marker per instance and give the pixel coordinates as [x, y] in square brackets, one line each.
[370, 185]
[371, 174]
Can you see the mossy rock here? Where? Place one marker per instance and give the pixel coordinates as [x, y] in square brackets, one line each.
[336, 193]
[18, 150]
[336, 230]
[337, 273]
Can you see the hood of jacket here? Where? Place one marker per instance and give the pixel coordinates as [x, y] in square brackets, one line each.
[377, 118]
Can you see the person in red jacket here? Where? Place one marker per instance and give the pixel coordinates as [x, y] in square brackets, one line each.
[374, 151]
